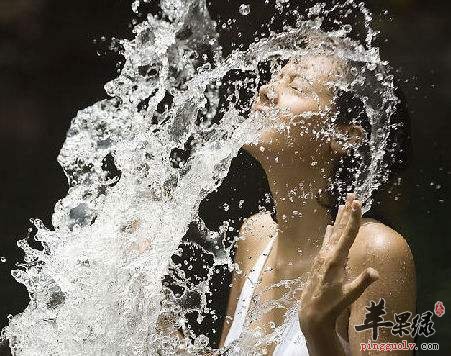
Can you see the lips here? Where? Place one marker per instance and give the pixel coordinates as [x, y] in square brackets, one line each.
[258, 106]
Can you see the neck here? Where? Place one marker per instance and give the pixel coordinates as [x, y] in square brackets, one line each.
[302, 219]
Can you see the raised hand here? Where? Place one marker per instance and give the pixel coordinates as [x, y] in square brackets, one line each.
[326, 294]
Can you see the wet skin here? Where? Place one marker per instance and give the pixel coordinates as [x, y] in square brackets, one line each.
[341, 268]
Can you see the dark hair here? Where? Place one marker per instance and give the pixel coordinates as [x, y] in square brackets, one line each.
[350, 109]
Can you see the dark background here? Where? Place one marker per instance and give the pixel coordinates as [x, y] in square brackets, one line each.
[50, 68]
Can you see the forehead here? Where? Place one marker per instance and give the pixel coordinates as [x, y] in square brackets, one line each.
[313, 67]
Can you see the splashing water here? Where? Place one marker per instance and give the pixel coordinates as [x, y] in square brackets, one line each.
[140, 163]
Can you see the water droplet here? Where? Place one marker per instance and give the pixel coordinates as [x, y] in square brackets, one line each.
[245, 9]
[3, 259]
[171, 195]
[347, 28]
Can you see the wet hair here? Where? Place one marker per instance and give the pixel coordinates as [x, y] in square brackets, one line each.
[350, 109]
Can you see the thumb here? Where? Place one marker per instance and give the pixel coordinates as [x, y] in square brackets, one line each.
[354, 289]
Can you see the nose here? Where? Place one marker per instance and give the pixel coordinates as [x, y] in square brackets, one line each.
[269, 94]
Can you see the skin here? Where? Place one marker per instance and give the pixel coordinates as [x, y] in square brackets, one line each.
[337, 270]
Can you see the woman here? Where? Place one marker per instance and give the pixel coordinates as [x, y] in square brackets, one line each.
[334, 274]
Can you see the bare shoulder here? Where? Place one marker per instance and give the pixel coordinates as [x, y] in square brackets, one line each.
[258, 227]
[377, 241]
[382, 248]
[255, 234]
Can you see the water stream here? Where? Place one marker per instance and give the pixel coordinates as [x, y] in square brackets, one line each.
[140, 163]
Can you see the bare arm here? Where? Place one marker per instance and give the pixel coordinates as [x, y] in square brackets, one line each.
[388, 252]
[378, 265]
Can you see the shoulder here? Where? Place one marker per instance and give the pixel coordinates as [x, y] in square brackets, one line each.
[259, 226]
[254, 235]
[377, 241]
[382, 248]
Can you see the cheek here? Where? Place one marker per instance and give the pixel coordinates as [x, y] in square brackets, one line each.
[298, 104]
[300, 124]
[295, 131]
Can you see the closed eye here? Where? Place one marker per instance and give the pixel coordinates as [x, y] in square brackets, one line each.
[300, 86]
[296, 88]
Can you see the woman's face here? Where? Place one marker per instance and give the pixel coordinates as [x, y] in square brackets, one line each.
[295, 98]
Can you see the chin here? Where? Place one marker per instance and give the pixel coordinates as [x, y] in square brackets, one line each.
[264, 142]
[252, 149]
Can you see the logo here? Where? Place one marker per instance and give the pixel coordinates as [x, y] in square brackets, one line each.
[404, 323]
[439, 309]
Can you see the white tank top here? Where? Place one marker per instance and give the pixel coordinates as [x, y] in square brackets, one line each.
[292, 340]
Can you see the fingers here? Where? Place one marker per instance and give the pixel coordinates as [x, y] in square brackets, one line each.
[342, 218]
[342, 240]
[337, 241]
[318, 262]
[339, 215]
[337, 221]
[319, 259]
[326, 240]
[354, 289]
[351, 230]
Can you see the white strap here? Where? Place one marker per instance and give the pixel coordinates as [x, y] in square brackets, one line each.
[246, 295]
